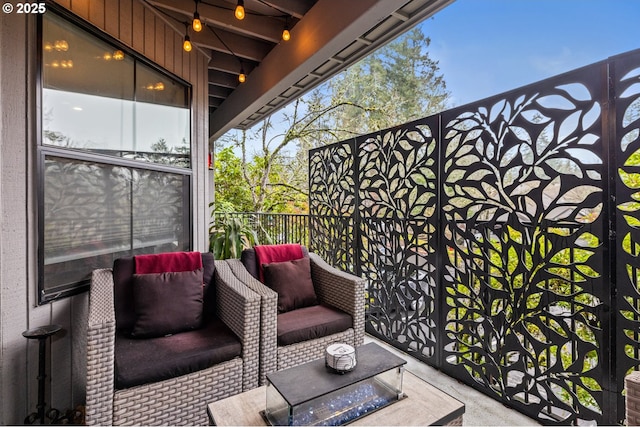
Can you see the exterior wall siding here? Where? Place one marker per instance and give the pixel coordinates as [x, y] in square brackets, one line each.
[142, 29]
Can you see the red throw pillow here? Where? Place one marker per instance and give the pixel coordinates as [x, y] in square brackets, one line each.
[167, 303]
[292, 281]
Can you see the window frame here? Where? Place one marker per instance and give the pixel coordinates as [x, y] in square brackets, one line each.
[47, 295]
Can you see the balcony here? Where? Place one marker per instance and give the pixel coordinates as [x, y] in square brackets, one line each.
[499, 240]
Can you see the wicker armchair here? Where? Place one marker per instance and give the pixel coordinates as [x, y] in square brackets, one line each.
[333, 287]
[174, 401]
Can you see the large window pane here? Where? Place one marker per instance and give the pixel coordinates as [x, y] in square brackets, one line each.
[95, 213]
[87, 218]
[88, 122]
[74, 61]
[98, 98]
[104, 100]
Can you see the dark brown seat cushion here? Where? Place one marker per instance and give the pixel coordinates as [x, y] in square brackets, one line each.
[142, 361]
[310, 323]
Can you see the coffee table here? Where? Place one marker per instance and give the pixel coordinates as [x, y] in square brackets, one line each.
[424, 404]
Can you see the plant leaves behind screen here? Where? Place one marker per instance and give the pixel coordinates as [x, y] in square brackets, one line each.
[509, 156]
[525, 188]
[545, 138]
[631, 180]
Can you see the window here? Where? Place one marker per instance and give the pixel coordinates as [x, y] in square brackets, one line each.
[114, 158]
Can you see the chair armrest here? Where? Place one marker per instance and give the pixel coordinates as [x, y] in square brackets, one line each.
[239, 308]
[101, 331]
[341, 290]
[268, 318]
[632, 398]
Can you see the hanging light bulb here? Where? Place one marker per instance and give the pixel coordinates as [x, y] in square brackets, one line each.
[239, 12]
[286, 35]
[196, 24]
[187, 44]
[242, 77]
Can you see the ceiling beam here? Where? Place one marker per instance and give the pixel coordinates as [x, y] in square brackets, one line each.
[325, 30]
[230, 64]
[218, 78]
[223, 41]
[295, 8]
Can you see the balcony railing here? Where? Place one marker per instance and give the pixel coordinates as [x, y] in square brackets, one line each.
[276, 228]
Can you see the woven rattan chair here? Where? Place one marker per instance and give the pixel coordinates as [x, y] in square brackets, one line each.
[333, 287]
[176, 401]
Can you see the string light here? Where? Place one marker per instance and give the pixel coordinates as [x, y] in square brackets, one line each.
[286, 35]
[196, 24]
[239, 12]
[187, 44]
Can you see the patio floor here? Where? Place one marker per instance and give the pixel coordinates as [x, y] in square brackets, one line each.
[480, 410]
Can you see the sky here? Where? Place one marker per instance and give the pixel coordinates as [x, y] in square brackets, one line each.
[486, 47]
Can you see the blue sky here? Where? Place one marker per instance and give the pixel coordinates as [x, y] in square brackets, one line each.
[485, 47]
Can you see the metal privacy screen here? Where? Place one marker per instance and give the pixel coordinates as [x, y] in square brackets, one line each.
[500, 239]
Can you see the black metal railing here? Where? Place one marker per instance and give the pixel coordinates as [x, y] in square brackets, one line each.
[276, 228]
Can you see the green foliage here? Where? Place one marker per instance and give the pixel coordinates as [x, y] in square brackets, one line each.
[229, 235]
[269, 170]
[397, 84]
[230, 187]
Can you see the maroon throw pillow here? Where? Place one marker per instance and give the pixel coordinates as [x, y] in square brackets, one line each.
[167, 303]
[292, 281]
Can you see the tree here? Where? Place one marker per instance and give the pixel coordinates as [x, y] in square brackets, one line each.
[231, 193]
[397, 84]
[276, 178]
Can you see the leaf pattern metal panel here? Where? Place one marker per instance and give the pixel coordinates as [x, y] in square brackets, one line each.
[627, 90]
[503, 246]
[332, 204]
[523, 235]
[397, 199]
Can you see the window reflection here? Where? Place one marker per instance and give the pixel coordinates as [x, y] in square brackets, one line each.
[95, 213]
[97, 98]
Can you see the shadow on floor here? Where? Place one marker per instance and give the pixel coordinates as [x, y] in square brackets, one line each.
[480, 409]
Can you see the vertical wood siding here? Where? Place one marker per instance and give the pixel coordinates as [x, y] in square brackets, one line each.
[149, 34]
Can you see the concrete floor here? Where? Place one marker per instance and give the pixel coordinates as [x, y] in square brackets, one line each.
[480, 409]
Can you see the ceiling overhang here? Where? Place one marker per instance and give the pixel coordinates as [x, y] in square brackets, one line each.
[326, 37]
[329, 38]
